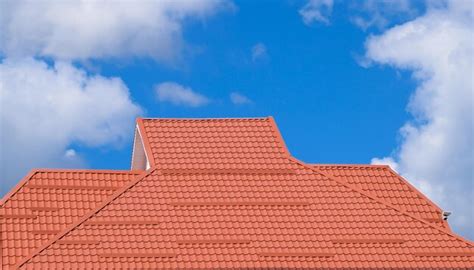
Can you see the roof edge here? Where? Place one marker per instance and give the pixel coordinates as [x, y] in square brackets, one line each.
[39, 170]
[202, 118]
[414, 189]
[84, 217]
[384, 202]
[278, 135]
[348, 165]
[18, 186]
[392, 172]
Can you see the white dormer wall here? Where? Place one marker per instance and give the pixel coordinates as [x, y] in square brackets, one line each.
[139, 157]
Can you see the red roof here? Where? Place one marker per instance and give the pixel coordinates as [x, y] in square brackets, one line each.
[226, 194]
[215, 144]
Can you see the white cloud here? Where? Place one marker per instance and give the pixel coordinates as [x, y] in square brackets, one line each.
[380, 13]
[70, 153]
[437, 151]
[80, 30]
[385, 161]
[239, 99]
[45, 109]
[316, 11]
[259, 51]
[179, 95]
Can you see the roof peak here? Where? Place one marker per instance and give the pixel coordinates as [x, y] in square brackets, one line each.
[350, 165]
[205, 118]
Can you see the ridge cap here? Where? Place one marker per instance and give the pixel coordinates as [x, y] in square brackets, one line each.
[85, 217]
[419, 193]
[203, 118]
[382, 201]
[348, 165]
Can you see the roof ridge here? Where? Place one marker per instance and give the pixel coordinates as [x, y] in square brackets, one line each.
[203, 118]
[349, 165]
[391, 171]
[413, 188]
[39, 170]
[86, 216]
[400, 179]
[278, 135]
[382, 201]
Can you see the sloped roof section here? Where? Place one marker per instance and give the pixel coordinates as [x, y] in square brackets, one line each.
[213, 144]
[300, 218]
[46, 201]
[226, 194]
[384, 183]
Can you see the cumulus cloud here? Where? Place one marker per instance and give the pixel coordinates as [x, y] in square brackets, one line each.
[179, 95]
[316, 11]
[239, 99]
[78, 30]
[436, 150]
[259, 51]
[44, 109]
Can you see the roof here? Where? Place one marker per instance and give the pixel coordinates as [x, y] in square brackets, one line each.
[226, 143]
[226, 194]
[46, 201]
[384, 183]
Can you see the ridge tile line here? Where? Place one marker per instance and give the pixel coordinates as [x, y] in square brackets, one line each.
[278, 135]
[403, 180]
[423, 196]
[84, 218]
[400, 179]
[382, 201]
[348, 165]
[204, 118]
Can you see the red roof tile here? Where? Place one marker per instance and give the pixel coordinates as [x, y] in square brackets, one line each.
[300, 219]
[197, 144]
[226, 194]
[46, 201]
[384, 183]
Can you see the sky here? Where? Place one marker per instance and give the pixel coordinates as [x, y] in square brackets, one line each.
[381, 82]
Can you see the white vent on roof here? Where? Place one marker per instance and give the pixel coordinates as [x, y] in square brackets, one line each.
[139, 157]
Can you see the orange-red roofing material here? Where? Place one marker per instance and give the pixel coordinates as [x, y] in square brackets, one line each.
[384, 183]
[214, 144]
[46, 201]
[226, 194]
[298, 219]
[217, 199]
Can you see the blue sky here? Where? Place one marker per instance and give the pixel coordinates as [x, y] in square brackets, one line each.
[327, 106]
[346, 81]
